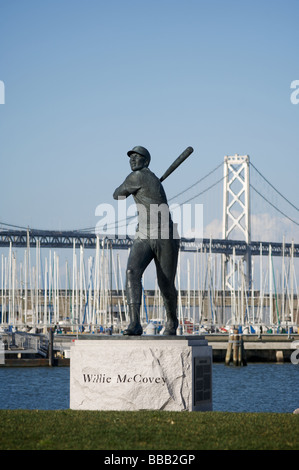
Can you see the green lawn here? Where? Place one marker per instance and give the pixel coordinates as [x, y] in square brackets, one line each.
[147, 430]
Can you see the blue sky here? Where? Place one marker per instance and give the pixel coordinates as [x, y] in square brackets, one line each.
[85, 81]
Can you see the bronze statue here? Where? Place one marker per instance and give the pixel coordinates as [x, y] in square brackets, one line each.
[155, 239]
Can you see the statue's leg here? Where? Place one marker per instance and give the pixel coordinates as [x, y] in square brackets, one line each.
[134, 328]
[140, 257]
[166, 257]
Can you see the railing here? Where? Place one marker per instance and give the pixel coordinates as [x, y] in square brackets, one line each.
[22, 340]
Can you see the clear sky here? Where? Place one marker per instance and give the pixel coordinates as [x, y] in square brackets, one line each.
[85, 81]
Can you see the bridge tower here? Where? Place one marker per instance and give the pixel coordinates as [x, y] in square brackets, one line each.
[236, 214]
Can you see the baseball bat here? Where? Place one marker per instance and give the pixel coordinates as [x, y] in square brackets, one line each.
[177, 163]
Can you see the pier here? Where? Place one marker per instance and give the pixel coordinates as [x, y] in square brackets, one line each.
[31, 350]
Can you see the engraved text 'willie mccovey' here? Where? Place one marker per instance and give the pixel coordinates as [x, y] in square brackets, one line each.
[137, 378]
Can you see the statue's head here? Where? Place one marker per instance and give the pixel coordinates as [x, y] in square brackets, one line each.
[139, 158]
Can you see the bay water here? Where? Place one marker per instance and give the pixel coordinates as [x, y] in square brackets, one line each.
[254, 388]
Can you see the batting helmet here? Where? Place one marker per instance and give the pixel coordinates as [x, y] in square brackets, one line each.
[141, 151]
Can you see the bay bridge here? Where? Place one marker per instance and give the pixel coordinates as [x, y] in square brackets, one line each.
[69, 239]
[36, 293]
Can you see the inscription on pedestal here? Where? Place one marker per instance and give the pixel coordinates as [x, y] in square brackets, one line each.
[122, 378]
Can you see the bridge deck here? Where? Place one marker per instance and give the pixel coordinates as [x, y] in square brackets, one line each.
[69, 239]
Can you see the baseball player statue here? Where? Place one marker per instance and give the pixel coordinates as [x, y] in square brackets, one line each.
[155, 239]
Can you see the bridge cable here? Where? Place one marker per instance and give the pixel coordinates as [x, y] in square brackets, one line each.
[271, 204]
[196, 182]
[274, 187]
[15, 226]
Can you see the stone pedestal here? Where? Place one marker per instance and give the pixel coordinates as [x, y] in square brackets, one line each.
[144, 372]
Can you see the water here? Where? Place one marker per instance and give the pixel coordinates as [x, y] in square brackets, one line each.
[40, 388]
[255, 388]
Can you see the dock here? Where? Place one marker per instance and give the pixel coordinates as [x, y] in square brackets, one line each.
[257, 348]
[270, 348]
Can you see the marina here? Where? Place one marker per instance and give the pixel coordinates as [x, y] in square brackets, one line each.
[40, 297]
[89, 291]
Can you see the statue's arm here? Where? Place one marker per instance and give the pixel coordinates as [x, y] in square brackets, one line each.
[121, 191]
[129, 186]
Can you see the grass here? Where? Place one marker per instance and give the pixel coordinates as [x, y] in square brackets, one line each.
[146, 430]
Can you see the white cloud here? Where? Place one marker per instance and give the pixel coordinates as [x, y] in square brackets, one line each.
[213, 229]
[264, 227]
